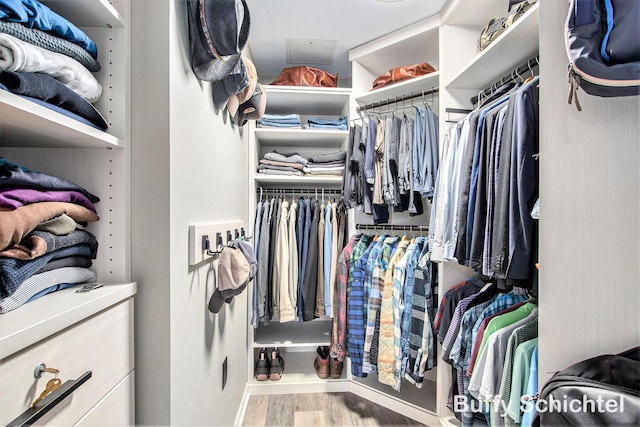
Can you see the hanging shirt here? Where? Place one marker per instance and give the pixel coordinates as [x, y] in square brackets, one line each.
[327, 262]
[405, 302]
[386, 361]
[282, 262]
[379, 265]
[293, 255]
[339, 324]
[255, 318]
[355, 306]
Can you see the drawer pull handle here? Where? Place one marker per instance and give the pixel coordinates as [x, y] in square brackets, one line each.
[34, 413]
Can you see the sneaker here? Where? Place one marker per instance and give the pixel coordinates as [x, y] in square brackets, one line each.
[321, 362]
[276, 367]
[262, 365]
[335, 368]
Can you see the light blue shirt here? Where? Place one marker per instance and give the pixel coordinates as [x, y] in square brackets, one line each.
[328, 258]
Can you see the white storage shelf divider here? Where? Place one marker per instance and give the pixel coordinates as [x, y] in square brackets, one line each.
[53, 143]
[297, 340]
[467, 71]
[26, 124]
[511, 49]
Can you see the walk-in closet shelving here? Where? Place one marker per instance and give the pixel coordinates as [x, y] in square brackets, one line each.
[467, 72]
[297, 341]
[414, 44]
[517, 44]
[50, 142]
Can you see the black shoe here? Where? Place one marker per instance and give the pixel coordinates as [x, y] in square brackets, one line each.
[276, 367]
[262, 365]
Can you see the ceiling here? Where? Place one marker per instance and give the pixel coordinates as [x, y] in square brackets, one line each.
[313, 25]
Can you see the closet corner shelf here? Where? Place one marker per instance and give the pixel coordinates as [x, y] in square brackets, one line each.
[307, 100]
[515, 46]
[298, 180]
[26, 124]
[298, 369]
[407, 87]
[88, 13]
[43, 317]
[275, 137]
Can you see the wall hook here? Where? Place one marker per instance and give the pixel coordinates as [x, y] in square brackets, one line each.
[206, 245]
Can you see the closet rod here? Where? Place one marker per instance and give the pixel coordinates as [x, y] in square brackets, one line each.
[297, 191]
[394, 227]
[397, 99]
[527, 66]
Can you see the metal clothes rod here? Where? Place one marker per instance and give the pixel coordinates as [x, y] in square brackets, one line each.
[527, 66]
[297, 191]
[394, 227]
[457, 110]
[397, 99]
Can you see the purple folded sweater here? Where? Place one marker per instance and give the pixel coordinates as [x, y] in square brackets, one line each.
[18, 197]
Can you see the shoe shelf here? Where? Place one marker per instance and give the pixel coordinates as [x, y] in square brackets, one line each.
[298, 369]
[293, 334]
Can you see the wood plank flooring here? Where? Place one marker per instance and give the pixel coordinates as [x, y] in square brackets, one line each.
[320, 409]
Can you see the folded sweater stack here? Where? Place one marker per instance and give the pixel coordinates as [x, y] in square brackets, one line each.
[48, 60]
[326, 164]
[293, 164]
[280, 121]
[43, 244]
[294, 121]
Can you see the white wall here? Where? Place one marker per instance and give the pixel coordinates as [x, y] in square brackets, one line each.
[198, 163]
[590, 213]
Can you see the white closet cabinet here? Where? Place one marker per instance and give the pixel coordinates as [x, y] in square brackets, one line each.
[297, 341]
[465, 72]
[78, 332]
[414, 44]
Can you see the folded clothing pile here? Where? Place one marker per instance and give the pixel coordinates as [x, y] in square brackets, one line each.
[326, 164]
[43, 244]
[293, 164]
[294, 121]
[280, 121]
[320, 123]
[274, 163]
[58, 57]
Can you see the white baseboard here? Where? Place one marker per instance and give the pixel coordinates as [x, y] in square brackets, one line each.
[243, 406]
[407, 409]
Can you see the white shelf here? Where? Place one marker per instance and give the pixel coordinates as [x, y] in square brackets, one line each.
[26, 124]
[514, 47]
[293, 334]
[473, 13]
[54, 312]
[87, 13]
[321, 101]
[413, 44]
[299, 180]
[298, 369]
[275, 137]
[407, 87]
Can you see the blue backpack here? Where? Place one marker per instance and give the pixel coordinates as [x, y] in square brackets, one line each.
[602, 38]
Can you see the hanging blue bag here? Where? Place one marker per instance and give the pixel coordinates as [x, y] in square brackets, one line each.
[602, 38]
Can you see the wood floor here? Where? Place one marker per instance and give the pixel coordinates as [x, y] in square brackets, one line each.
[319, 409]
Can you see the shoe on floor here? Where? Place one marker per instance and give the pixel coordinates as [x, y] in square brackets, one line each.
[335, 368]
[262, 365]
[276, 367]
[321, 362]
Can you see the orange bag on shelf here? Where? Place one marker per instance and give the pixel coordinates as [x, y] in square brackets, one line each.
[402, 73]
[305, 76]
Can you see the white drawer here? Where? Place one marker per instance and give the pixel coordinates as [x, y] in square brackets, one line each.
[102, 344]
[116, 409]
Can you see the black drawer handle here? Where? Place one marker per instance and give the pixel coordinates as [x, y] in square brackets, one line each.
[33, 414]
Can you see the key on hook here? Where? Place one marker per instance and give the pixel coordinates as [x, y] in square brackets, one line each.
[52, 385]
